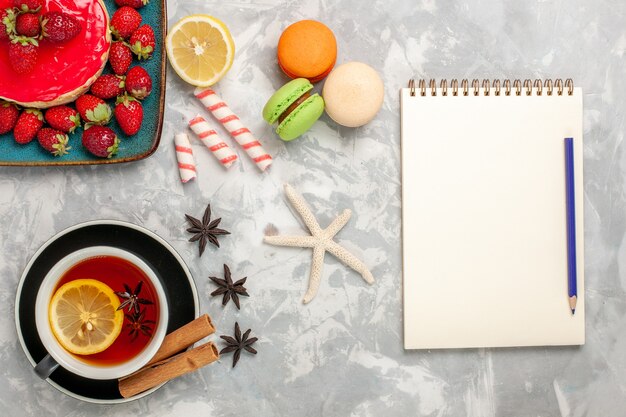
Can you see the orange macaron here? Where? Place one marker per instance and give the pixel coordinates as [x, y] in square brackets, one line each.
[307, 49]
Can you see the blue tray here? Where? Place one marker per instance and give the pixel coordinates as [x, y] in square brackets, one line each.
[132, 148]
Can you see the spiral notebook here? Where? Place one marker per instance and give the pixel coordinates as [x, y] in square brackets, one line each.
[484, 213]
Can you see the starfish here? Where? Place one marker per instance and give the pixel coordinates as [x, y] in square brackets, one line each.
[321, 241]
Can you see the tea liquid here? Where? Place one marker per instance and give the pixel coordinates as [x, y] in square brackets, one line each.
[115, 272]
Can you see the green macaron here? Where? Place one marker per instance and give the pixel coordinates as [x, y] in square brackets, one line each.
[294, 108]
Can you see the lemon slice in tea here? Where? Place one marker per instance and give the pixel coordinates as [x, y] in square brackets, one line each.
[200, 49]
[83, 316]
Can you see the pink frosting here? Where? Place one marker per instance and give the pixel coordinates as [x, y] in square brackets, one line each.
[61, 68]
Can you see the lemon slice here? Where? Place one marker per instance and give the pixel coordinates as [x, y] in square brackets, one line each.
[83, 316]
[200, 49]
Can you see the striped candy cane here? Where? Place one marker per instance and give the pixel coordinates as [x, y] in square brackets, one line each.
[184, 155]
[237, 130]
[209, 137]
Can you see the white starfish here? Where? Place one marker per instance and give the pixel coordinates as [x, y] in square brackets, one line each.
[321, 240]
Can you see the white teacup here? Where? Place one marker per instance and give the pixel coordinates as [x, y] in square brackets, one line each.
[58, 356]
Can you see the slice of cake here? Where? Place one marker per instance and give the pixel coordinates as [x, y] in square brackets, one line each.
[66, 70]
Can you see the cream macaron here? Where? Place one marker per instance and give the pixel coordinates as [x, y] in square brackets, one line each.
[353, 93]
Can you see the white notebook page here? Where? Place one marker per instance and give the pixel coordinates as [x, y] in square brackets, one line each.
[483, 220]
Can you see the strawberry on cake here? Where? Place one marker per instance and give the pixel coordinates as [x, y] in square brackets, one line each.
[70, 53]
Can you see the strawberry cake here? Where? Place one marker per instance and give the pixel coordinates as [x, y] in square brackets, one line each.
[63, 71]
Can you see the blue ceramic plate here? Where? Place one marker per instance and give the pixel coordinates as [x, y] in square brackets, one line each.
[132, 148]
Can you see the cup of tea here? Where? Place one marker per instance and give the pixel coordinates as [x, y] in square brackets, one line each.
[101, 313]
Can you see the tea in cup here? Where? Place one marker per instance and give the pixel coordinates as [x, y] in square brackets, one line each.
[101, 313]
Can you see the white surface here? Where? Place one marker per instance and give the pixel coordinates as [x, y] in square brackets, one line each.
[484, 232]
[67, 360]
[342, 354]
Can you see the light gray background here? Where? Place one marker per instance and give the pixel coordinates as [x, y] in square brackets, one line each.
[342, 354]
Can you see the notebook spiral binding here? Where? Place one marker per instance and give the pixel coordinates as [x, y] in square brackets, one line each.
[506, 87]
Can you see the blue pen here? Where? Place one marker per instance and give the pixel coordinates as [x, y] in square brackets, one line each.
[571, 223]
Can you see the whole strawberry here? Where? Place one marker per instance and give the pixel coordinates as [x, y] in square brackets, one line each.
[59, 26]
[23, 54]
[124, 22]
[7, 23]
[142, 42]
[27, 24]
[129, 114]
[138, 83]
[135, 4]
[101, 141]
[28, 124]
[54, 141]
[108, 86]
[120, 57]
[28, 5]
[63, 118]
[8, 116]
[93, 110]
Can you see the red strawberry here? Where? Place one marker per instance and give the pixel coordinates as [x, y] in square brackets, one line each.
[100, 141]
[8, 116]
[23, 54]
[7, 23]
[54, 141]
[138, 83]
[27, 126]
[63, 118]
[124, 22]
[108, 86]
[28, 5]
[27, 24]
[142, 42]
[135, 4]
[120, 57]
[93, 110]
[59, 26]
[129, 114]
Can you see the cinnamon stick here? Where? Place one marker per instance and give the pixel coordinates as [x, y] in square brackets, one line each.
[183, 337]
[167, 369]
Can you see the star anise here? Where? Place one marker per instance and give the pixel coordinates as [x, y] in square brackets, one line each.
[138, 325]
[205, 230]
[229, 288]
[238, 343]
[131, 298]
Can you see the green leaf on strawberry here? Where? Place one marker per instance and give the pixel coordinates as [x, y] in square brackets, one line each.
[142, 52]
[54, 141]
[75, 118]
[61, 147]
[25, 9]
[24, 40]
[101, 114]
[35, 112]
[9, 22]
[142, 42]
[112, 150]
